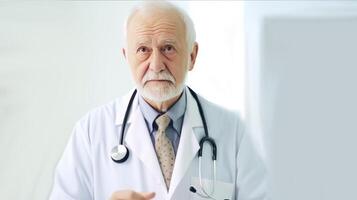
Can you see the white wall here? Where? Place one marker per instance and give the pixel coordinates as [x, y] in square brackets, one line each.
[219, 73]
[60, 59]
[302, 84]
[57, 60]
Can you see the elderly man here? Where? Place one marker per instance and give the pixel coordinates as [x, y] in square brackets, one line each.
[169, 143]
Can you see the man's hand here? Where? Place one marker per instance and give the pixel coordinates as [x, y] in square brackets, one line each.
[132, 195]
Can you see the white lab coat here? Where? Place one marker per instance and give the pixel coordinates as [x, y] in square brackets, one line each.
[87, 172]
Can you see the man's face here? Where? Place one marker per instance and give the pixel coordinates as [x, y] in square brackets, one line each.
[158, 54]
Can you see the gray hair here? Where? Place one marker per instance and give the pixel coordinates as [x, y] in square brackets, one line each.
[164, 5]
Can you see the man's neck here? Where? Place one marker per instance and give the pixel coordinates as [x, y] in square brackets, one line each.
[163, 106]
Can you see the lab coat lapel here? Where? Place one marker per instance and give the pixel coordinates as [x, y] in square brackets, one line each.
[138, 141]
[189, 144]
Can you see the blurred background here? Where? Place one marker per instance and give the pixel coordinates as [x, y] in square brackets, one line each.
[288, 67]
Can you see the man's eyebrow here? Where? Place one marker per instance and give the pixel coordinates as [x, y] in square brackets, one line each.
[169, 41]
[142, 43]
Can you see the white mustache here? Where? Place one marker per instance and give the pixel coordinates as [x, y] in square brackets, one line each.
[162, 76]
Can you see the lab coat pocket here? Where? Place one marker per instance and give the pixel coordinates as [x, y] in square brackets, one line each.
[221, 191]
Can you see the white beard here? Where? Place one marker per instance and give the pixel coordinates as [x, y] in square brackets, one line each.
[161, 92]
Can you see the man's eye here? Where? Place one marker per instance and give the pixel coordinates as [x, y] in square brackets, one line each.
[168, 49]
[143, 50]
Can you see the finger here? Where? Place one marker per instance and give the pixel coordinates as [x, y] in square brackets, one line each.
[148, 195]
[126, 195]
[132, 195]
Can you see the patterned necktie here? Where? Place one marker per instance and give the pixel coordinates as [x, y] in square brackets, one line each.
[164, 149]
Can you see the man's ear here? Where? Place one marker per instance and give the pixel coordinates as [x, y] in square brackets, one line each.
[124, 53]
[193, 56]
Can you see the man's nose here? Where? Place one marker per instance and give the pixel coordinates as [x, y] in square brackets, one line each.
[157, 61]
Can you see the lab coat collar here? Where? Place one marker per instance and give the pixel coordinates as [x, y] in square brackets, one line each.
[189, 143]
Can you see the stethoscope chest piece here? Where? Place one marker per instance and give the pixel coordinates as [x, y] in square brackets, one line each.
[119, 153]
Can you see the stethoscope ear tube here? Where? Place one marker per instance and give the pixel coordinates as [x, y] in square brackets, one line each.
[120, 153]
[213, 145]
[126, 117]
[206, 138]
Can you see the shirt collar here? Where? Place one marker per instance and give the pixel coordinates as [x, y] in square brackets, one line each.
[175, 112]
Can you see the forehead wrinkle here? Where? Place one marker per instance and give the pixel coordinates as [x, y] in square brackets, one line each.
[154, 27]
[170, 25]
[155, 30]
[146, 40]
[166, 31]
[162, 36]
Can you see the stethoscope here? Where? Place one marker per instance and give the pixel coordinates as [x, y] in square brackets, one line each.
[120, 153]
